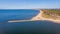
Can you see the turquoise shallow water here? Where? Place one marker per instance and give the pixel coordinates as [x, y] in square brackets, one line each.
[30, 27]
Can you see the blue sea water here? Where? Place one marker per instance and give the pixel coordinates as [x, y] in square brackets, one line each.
[31, 27]
[6, 15]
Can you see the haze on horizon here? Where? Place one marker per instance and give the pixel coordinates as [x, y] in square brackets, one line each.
[29, 4]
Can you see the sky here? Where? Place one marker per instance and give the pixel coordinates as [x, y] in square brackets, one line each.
[29, 4]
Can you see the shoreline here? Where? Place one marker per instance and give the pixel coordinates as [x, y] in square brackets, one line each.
[39, 17]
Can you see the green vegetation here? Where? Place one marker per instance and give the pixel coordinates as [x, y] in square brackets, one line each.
[51, 13]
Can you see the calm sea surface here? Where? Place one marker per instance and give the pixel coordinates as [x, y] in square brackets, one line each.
[33, 27]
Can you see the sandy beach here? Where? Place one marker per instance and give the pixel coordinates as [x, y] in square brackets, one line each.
[39, 17]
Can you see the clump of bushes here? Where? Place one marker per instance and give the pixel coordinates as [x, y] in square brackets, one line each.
[51, 13]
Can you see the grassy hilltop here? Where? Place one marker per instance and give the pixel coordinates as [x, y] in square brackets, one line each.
[51, 13]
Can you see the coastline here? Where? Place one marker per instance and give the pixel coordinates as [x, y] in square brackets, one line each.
[39, 17]
[36, 18]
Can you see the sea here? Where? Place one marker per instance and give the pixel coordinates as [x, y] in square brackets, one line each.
[30, 27]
